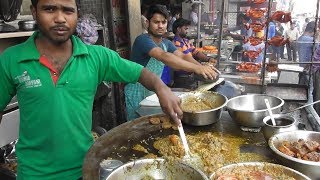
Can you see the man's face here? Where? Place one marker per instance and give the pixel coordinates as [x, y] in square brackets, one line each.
[56, 19]
[157, 25]
[183, 31]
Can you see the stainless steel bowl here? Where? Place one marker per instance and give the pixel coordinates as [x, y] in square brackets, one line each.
[283, 123]
[27, 25]
[309, 168]
[266, 167]
[156, 169]
[202, 118]
[249, 110]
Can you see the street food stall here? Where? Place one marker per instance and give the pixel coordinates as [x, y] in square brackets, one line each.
[226, 139]
[230, 140]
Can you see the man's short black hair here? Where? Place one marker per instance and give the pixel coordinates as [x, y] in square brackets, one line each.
[179, 23]
[35, 2]
[160, 9]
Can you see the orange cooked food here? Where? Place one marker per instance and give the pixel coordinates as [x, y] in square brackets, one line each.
[253, 173]
[213, 149]
[209, 48]
[248, 67]
[301, 149]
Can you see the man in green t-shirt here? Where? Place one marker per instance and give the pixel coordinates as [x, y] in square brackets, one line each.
[55, 77]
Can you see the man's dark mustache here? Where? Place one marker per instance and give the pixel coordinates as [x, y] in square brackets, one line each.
[60, 27]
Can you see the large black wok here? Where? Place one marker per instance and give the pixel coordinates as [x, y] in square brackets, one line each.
[118, 142]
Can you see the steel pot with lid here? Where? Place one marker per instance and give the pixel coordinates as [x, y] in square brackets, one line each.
[156, 169]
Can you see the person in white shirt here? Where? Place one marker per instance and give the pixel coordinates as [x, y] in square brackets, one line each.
[293, 34]
[194, 14]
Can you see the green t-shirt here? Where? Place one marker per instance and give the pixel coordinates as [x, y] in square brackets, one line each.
[56, 119]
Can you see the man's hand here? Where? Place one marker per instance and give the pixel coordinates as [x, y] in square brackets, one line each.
[213, 61]
[208, 72]
[169, 102]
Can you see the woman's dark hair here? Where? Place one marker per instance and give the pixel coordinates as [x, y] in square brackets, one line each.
[160, 9]
[179, 23]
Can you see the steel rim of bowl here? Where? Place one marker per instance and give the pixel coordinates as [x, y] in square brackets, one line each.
[217, 108]
[259, 163]
[267, 118]
[274, 149]
[27, 22]
[150, 162]
[260, 110]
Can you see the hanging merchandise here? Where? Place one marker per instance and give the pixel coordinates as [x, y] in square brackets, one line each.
[278, 41]
[87, 29]
[256, 1]
[281, 16]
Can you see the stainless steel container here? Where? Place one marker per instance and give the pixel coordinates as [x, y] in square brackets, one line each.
[272, 168]
[309, 168]
[156, 169]
[107, 166]
[202, 118]
[283, 123]
[27, 25]
[249, 110]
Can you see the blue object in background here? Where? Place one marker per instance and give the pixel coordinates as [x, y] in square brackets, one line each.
[166, 75]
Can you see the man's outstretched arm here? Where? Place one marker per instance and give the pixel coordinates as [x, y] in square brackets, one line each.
[169, 102]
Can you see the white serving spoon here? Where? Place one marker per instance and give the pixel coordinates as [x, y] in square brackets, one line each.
[191, 159]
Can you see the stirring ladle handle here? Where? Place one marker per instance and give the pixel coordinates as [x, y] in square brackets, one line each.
[184, 140]
[270, 112]
[306, 105]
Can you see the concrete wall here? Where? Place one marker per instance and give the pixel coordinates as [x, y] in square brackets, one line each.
[134, 13]
[25, 7]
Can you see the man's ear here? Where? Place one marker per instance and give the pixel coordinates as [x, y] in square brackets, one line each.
[178, 29]
[33, 11]
[147, 23]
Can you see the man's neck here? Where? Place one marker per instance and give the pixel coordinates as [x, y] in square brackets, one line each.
[49, 46]
[179, 37]
[155, 39]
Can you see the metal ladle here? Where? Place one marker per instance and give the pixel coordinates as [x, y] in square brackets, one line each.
[301, 107]
[189, 158]
[270, 112]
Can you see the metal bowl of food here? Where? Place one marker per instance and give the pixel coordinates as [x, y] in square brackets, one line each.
[283, 123]
[156, 169]
[27, 25]
[298, 146]
[249, 110]
[202, 108]
[257, 170]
